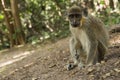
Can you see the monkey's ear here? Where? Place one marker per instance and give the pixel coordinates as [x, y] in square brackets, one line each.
[85, 12]
[66, 13]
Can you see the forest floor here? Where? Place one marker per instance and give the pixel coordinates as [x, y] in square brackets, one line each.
[48, 62]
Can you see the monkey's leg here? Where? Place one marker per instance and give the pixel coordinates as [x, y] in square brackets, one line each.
[92, 56]
[95, 59]
[102, 50]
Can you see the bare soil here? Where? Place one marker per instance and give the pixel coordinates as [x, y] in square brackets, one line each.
[48, 62]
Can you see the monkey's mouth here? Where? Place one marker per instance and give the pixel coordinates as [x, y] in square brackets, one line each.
[75, 25]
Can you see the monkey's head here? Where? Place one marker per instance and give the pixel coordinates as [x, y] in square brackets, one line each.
[75, 15]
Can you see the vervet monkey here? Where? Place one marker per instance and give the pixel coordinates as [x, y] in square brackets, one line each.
[89, 42]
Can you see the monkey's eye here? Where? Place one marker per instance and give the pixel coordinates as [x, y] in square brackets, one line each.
[77, 15]
[74, 15]
[71, 16]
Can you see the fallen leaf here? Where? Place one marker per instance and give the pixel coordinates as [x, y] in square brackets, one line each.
[117, 70]
[92, 75]
[52, 65]
[118, 62]
[106, 75]
[90, 70]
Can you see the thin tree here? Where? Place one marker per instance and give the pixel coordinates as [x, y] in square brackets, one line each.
[17, 23]
[7, 20]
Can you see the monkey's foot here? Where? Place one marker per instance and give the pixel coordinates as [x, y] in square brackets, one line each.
[81, 65]
[70, 66]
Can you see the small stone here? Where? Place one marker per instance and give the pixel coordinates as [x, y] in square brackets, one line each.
[97, 64]
[102, 62]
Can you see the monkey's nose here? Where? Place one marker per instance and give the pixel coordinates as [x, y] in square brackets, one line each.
[74, 21]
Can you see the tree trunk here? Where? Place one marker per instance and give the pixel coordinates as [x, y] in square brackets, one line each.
[9, 26]
[111, 4]
[20, 36]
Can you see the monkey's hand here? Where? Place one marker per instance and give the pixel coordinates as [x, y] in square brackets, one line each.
[81, 65]
[70, 66]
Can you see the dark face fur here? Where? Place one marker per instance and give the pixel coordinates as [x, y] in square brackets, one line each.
[74, 19]
[75, 14]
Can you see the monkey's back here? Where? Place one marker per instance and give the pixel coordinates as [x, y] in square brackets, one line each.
[97, 27]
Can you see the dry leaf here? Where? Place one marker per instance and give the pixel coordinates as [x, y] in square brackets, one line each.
[117, 70]
[106, 75]
[90, 70]
[52, 65]
[117, 63]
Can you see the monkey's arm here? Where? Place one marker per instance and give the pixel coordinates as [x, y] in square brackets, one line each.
[75, 52]
[74, 49]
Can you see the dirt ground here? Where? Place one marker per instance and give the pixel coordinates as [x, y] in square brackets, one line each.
[48, 62]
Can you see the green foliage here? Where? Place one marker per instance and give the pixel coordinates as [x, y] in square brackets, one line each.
[46, 19]
[1, 17]
[113, 19]
[102, 2]
[109, 17]
[33, 40]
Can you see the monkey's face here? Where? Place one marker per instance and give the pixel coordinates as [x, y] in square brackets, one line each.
[74, 19]
[75, 14]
